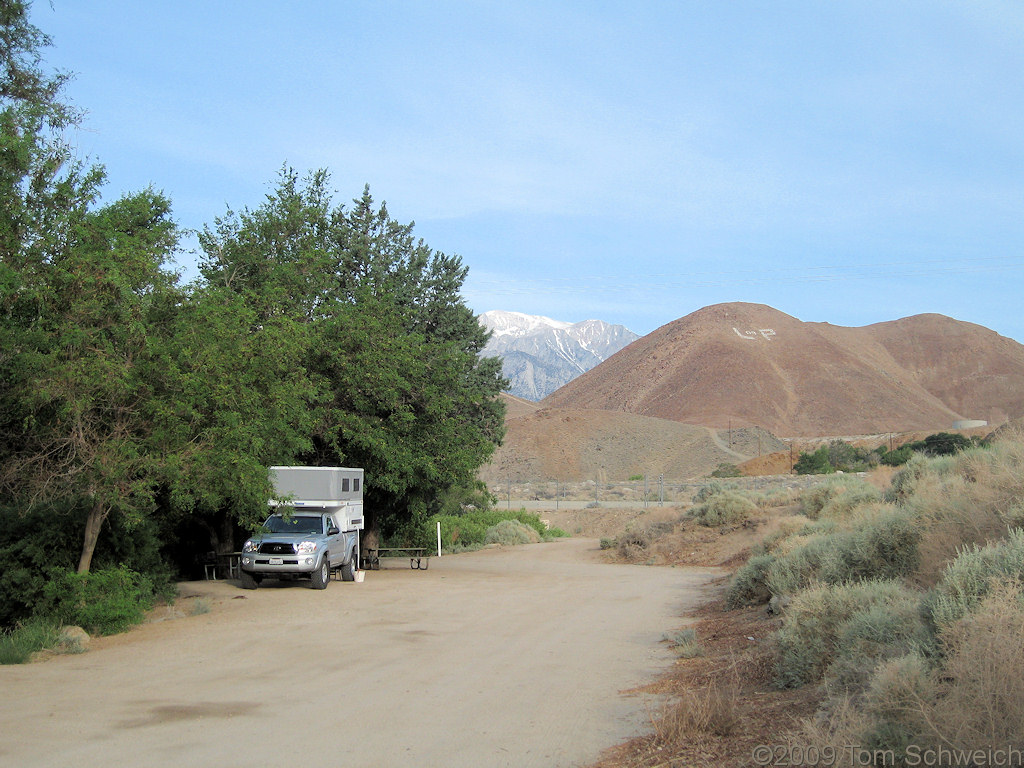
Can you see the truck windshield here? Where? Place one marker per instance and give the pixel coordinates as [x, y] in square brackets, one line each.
[294, 524]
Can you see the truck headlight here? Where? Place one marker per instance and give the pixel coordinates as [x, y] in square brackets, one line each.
[250, 546]
[306, 547]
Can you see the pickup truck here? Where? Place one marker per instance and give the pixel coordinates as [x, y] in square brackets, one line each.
[313, 530]
[299, 545]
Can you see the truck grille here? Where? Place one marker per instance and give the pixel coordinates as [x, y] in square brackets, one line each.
[276, 548]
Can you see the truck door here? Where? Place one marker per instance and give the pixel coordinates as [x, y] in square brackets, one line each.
[335, 541]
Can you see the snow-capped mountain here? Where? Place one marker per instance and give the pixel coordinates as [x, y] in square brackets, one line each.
[539, 354]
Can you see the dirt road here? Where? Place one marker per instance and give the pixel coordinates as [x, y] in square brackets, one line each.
[516, 657]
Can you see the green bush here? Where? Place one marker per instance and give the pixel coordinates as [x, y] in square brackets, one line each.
[808, 642]
[469, 529]
[705, 492]
[32, 545]
[973, 574]
[726, 470]
[853, 494]
[104, 601]
[894, 698]
[724, 508]
[509, 533]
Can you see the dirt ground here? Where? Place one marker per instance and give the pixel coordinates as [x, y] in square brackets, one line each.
[527, 656]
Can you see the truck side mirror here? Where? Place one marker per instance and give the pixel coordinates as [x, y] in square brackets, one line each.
[333, 530]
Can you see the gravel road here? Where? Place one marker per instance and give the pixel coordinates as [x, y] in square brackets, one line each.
[505, 657]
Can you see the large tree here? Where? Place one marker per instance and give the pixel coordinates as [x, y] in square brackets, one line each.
[391, 349]
[78, 282]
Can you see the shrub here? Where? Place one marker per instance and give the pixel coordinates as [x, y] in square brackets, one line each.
[881, 543]
[726, 470]
[469, 529]
[634, 544]
[972, 699]
[894, 704]
[699, 712]
[807, 643]
[878, 634]
[104, 601]
[980, 698]
[973, 574]
[725, 508]
[815, 502]
[685, 643]
[511, 533]
[705, 492]
[851, 495]
[749, 584]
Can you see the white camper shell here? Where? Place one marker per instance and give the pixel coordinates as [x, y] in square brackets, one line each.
[332, 489]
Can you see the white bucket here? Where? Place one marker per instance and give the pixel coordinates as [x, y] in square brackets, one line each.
[359, 576]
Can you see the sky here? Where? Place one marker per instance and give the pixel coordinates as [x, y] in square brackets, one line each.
[849, 162]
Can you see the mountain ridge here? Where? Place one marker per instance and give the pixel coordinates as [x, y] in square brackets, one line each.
[539, 354]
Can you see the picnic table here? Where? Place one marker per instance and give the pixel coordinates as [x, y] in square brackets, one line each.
[419, 557]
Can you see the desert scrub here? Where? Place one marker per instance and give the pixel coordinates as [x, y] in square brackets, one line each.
[749, 585]
[725, 508]
[635, 544]
[881, 542]
[973, 574]
[511, 533]
[882, 632]
[970, 696]
[837, 497]
[808, 641]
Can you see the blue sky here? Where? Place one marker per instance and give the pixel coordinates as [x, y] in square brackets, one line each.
[850, 162]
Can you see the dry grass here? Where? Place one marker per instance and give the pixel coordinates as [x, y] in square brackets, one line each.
[711, 710]
[980, 699]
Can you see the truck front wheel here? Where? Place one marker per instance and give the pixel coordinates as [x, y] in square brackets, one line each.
[322, 574]
[247, 579]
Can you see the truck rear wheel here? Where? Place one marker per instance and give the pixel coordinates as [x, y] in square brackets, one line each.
[322, 574]
[348, 570]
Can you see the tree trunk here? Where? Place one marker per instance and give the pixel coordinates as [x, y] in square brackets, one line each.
[93, 524]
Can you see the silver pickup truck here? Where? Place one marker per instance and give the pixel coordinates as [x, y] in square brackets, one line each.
[313, 530]
[299, 545]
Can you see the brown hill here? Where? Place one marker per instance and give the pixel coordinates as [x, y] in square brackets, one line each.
[749, 364]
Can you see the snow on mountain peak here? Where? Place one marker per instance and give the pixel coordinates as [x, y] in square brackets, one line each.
[504, 323]
[540, 354]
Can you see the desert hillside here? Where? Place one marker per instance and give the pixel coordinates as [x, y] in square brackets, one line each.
[744, 364]
[572, 445]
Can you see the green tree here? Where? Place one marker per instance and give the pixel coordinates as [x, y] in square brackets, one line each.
[77, 283]
[391, 350]
[814, 463]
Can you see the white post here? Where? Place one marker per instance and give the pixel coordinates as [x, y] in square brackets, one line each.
[438, 538]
